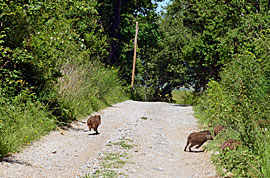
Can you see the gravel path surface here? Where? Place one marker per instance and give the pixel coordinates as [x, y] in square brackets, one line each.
[137, 139]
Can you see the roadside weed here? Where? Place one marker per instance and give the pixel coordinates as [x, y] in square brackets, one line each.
[112, 161]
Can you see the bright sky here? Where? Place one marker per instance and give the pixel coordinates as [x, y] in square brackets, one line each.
[163, 3]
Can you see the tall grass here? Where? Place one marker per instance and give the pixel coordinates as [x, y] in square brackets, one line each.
[22, 121]
[89, 87]
[264, 150]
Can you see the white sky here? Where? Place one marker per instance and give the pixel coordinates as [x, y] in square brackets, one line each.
[163, 3]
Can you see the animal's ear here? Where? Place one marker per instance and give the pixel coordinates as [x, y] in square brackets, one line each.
[99, 117]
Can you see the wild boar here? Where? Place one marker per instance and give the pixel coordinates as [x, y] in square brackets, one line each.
[198, 138]
[217, 129]
[93, 122]
[231, 144]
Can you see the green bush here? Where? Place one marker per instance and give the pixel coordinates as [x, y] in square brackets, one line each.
[264, 156]
[183, 97]
[240, 102]
[22, 121]
[48, 76]
[138, 93]
[89, 87]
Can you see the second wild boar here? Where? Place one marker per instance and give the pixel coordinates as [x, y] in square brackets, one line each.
[217, 129]
[231, 144]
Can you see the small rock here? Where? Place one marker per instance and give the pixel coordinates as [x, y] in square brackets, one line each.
[158, 169]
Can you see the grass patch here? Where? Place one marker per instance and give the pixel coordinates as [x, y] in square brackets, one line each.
[122, 144]
[103, 173]
[112, 161]
[90, 87]
[144, 118]
[22, 122]
[182, 97]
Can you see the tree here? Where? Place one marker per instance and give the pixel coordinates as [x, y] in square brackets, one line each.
[118, 20]
[215, 32]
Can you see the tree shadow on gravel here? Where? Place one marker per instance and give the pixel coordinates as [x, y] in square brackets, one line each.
[77, 129]
[11, 160]
[181, 105]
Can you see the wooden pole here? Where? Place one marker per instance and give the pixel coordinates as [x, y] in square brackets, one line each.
[134, 57]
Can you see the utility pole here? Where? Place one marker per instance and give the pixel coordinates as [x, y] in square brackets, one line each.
[134, 57]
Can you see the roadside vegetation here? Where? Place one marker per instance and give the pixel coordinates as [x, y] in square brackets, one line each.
[51, 70]
[227, 57]
[182, 97]
[221, 49]
[241, 104]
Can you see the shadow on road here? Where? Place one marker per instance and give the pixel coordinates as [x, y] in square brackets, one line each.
[9, 159]
[181, 105]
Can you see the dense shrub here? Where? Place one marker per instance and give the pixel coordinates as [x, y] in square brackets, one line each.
[50, 70]
[89, 86]
[240, 101]
[22, 121]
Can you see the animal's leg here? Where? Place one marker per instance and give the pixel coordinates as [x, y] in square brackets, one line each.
[199, 145]
[186, 146]
[191, 145]
[96, 131]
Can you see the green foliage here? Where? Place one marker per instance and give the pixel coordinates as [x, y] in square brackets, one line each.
[239, 101]
[183, 97]
[199, 37]
[90, 87]
[39, 42]
[22, 121]
[264, 157]
[118, 20]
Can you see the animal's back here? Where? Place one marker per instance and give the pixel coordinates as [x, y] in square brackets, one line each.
[217, 129]
[231, 144]
[93, 122]
[198, 138]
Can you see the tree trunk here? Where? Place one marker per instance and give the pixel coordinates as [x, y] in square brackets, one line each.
[114, 32]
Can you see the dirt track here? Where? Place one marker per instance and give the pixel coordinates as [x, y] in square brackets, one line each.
[148, 137]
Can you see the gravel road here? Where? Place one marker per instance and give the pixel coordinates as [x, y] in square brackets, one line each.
[137, 140]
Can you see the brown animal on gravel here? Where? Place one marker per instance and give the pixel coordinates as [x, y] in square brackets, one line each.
[217, 129]
[231, 144]
[93, 122]
[198, 138]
